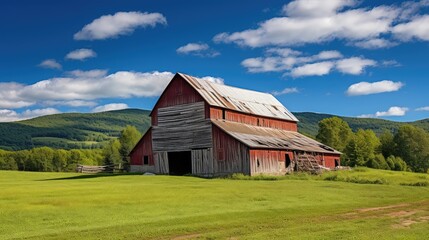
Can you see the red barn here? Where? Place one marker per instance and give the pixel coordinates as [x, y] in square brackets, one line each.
[208, 129]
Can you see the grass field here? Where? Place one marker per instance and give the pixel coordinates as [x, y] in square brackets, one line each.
[72, 206]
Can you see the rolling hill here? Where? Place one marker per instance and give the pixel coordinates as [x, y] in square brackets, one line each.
[92, 130]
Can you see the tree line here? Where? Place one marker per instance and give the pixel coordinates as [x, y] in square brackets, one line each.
[46, 159]
[407, 149]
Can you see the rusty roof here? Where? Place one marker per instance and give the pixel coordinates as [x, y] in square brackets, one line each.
[270, 138]
[242, 100]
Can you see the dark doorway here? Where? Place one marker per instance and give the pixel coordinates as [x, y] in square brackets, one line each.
[287, 161]
[337, 162]
[180, 163]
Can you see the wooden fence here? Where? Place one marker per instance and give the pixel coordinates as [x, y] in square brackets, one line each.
[96, 169]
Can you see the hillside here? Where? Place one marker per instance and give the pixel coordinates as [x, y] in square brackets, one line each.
[309, 123]
[91, 130]
[70, 130]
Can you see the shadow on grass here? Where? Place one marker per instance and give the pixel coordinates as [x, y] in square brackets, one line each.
[89, 176]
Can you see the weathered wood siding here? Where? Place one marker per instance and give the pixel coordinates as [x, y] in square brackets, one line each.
[143, 148]
[161, 162]
[177, 92]
[202, 162]
[270, 162]
[219, 113]
[182, 128]
[230, 155]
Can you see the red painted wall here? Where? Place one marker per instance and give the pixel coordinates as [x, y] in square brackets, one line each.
[217, 113]
[177, 92]
[144, 147]
[329, 160]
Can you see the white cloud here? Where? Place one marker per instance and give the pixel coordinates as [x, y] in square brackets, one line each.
[354, 65]
[366, 88]
[110, 107]
[313, 69]
[7, 115]
[391, 112]
[50, 63]
[72, 103]
[81, 54]
[281, 59]
[198, 49]
[213, 79]
[121, 23]
[314, 21]
[375, 43]
[418, 28]
[88, 74]
[82, 88]
[285, 91]
[423, 108]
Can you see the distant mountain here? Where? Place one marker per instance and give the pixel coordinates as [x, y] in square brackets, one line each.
[71, 130]
[309, 123]
[92, 130]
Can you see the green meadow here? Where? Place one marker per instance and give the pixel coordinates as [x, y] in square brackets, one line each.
[359, 204]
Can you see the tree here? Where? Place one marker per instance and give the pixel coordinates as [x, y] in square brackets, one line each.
[387, 143]
[412, 145]
[362, 147]
[334, 132]
[111, 153]
[128, 139]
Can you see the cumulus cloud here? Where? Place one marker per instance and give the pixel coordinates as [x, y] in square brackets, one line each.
[7, 115]
[423, 108]
[120, 23]
[354, 65]
[110, 107]
[72, 103]
[298, 64]
[375, 43]
[313, 21]
[285, 91]
[50, 63]
[197, 49]
[313, 69]
[81, 88]
[213, 79]
[81, 54]
[366, 88]
[418, 28]
[281, 59]
[391, 112]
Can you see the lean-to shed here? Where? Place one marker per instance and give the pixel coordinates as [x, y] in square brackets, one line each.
[209, 129]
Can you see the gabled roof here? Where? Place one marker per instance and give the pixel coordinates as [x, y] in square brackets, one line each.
[270, 138]
[237, 99]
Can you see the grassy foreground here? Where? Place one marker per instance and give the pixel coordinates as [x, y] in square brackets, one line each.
[72, 206]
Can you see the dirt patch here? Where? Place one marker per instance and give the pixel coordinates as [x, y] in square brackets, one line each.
[383, 208]
[401, 214]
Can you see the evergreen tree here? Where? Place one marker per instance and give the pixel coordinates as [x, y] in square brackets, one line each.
[128, 139]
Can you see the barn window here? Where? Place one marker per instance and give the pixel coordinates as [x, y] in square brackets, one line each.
[257, 163]
[145, 160]
[223, 113]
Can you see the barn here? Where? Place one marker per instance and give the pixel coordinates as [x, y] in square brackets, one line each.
[208, 129]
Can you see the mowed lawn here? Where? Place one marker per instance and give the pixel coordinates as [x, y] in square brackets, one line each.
[75, 206]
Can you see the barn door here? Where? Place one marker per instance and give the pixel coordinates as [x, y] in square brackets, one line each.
[161, 162]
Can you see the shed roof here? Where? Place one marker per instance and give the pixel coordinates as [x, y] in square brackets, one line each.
[270, 138]
[242, 100]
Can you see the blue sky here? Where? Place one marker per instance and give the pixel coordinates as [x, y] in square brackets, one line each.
[343, 57]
